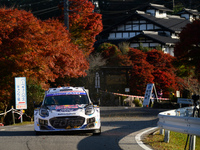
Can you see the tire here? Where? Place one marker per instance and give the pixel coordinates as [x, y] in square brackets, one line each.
[38, 133]
[97, 131]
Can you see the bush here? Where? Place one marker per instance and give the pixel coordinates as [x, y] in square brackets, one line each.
[137, 102]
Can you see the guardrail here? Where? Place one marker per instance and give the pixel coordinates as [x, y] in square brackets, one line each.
[180, 120]
[185, 101]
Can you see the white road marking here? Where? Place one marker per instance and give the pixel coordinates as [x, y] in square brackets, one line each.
[139, 141]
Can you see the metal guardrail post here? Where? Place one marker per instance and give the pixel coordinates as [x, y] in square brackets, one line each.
[162, 131]
[192, 142]
[167, 134]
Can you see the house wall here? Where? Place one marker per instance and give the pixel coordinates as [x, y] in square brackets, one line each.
[148, 43]
[168, 50]
[131, 29]
[137, 25]
[157, 13]
[186, 16]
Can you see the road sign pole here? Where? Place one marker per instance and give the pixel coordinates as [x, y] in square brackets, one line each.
[21, 115]
[13, 116]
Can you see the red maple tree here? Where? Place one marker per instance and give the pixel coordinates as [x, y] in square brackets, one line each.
[153, 67]
[164, 73]
[84, 24]
[40, 50]
[141, 74]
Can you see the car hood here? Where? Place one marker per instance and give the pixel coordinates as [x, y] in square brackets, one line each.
[67, 108]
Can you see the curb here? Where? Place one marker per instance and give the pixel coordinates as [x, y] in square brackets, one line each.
[134, 140]
[139, 135]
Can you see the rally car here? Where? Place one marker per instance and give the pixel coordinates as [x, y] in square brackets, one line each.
[67, 109]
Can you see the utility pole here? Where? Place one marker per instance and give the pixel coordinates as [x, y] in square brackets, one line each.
[66, 13]
[190, 5]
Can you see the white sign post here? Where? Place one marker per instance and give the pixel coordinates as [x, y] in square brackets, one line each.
[20, 94]
[148, 94]
[97, 81]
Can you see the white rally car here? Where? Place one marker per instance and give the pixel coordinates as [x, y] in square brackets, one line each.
[67, 109]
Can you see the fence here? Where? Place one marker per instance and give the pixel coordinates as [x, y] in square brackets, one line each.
[180, 120]
[14, 111]
[134, 96]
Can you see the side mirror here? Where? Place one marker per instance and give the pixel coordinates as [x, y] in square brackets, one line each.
[37, 105]
[96, 103]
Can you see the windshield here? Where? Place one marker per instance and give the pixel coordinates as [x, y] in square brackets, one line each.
[66, 100]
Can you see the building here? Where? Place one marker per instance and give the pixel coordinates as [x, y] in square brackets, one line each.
[152, 27]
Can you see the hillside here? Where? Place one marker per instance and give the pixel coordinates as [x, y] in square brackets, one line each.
[112, 10]
[115, 10]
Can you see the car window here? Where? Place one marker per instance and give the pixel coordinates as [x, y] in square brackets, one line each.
[66, 100]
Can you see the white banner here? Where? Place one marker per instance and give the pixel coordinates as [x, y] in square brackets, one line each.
[147, 95]
[20, 93]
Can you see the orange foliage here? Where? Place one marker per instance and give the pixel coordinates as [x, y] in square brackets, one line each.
[141, 74]
[41, 50]
[84, 24]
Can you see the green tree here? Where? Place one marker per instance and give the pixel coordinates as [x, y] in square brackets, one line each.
[35, 94]
[187, 50]
[113, 55]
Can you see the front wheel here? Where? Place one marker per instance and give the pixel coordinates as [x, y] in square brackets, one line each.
[97, 131]
[38, 133]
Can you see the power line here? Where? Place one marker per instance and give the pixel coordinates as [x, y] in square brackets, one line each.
[56, 7]
[30, 4]
[47, 11]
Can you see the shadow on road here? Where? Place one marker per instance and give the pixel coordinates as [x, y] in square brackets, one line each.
[109, 139]
[114, 131]
[116, 124]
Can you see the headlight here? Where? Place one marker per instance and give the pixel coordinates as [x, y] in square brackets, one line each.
[89, 110]
[44, 112]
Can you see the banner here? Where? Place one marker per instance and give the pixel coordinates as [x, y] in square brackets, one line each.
[148, 94]
[20, 93]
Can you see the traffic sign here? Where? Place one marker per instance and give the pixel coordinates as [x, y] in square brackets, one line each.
[20, 93]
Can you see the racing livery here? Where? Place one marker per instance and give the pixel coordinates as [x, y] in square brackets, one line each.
[67, 109]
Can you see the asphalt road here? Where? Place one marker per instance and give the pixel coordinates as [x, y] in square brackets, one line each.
[118, 123]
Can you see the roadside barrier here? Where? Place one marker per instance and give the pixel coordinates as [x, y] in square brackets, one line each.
[19, 112]
[180, 120]
[185, 101]
[134, 96]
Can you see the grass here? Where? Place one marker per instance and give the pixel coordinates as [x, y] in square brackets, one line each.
[177, 141]
[23, 123]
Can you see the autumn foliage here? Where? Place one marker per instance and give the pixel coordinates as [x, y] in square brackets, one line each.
[113, 55]
[84, 24]
[153, 67]
[141, 74]
[40, 50]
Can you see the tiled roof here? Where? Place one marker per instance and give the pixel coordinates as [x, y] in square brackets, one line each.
[158, 38]
[173, 23]
[170, 23]
[159, 7]
[191, 11]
